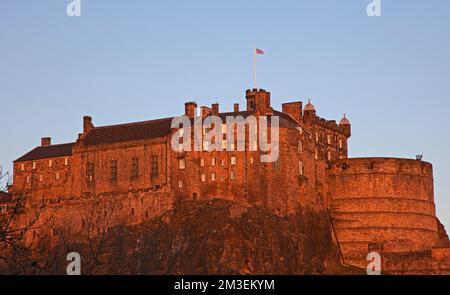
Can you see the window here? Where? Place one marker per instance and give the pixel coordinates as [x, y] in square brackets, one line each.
[34, 165]
[329, 138]
[57, 176]
[41, 178]
[213, 176]
[113, 170]
[134, 168]
[28, 179]
[300, 147]
[223, 162]
[66, 161]
[22, 167]
[213, 162]
[340, 143]
[300, 167]
[180, 183]
[329, 155]
[233, 160]
[251, 160]
[317, 136]
[232, 176]
[203, 177]
[316, 154]
[50, 163]
[90, 172]
[181, 163]
[202, 162]
[154, 166]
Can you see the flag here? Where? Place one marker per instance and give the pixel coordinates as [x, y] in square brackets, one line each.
[259, 51]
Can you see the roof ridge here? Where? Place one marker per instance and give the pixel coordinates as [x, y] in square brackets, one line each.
[133, 123]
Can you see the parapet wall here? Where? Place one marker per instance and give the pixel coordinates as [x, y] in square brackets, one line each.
[388, 202]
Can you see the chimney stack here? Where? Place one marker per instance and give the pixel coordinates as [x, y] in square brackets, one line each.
[205, 111]
[236, 107]
[190, 109]
[46, 141]
[87, 124]
[215, 108]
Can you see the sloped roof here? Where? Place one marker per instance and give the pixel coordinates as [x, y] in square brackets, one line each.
[51, 151]
[128, 132]
[156, 128]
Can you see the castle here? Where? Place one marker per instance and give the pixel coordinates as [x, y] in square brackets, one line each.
[375, 204]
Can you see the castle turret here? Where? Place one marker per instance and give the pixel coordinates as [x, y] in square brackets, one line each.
[346, 126]
[309, 112]
[258, 100]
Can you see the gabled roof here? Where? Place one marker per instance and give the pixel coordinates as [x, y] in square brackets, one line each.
[51, 151]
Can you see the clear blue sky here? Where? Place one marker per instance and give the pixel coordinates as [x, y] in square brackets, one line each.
[123, 61]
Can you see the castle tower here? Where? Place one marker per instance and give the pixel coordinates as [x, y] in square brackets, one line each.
[258, 100]
[346, 126]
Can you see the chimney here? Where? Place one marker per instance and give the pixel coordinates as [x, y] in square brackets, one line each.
[215, 108]
[87, 124]
[236, 107]
[294, 109]
[46, 141]
[190, 109]
[205, 111]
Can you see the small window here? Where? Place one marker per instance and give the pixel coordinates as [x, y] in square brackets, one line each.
[203, 177]
[300, 147]
[316, 154]
[317, 136]
[213, 176]
[134, 168]
[329, 155]
[154, 166]
[66, 161]
[233, 160]
[181, 163]
[22, 167]
[28, 179]
[213, 162]
[202, 162]
[340, 143]
[180, 183]
[41, 178]
[34, 165]
[252, 160]
[50, 163]
[329, 138]
[232, 176]
[113, 170]
[57, 176]
[300, 167]
[90, 172]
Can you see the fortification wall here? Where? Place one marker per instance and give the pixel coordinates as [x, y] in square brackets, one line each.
[384, 201]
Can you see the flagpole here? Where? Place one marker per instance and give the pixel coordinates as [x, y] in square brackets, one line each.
[254, 68]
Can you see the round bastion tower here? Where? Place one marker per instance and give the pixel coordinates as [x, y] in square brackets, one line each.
[386, 203]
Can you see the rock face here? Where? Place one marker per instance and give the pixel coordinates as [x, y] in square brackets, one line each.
[221, 237]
